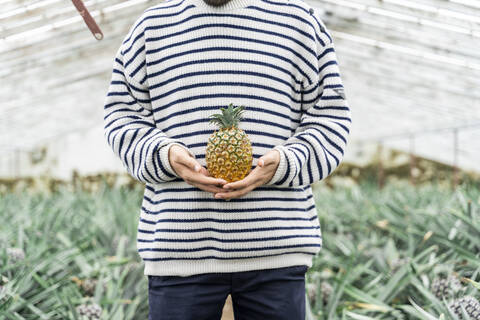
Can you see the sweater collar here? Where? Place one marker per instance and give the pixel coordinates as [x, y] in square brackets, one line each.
[230, 5]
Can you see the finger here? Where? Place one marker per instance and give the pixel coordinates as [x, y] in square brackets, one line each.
[201, 178]
[208, 187]
[267, 159]
[261, 161]
[205, 171]
[249, 179]
[236, 193]
[190, 163]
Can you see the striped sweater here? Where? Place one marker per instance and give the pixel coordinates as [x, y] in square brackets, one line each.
[179, 63]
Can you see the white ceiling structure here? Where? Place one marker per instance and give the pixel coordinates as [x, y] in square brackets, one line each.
[411, 70]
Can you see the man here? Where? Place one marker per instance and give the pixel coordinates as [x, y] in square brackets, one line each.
[180, 62]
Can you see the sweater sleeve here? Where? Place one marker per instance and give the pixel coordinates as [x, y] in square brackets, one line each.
[317, 146]
[129, 125]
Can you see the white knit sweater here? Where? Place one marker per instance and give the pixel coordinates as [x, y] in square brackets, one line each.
[179, 63]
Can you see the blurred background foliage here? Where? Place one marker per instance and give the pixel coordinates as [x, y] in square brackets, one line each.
[397, 252]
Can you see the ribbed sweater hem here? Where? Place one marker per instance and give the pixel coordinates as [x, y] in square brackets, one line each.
[191, 267]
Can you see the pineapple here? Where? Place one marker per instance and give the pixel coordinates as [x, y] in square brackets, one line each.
[229, 150]
[446, 287]
[91, 311]
[470, 304]
[15, 254]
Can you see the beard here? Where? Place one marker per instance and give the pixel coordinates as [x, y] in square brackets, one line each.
[215, 3]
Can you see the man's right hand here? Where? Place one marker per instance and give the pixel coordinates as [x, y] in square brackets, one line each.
[192, 172]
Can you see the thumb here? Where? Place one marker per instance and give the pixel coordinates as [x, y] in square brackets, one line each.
[189, 161]
[193, 164]
[266, 159]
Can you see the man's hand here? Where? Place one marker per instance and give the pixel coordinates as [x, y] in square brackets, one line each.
[261, 174]
[191, 171]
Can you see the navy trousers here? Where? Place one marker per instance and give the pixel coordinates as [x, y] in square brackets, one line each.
[259, 294]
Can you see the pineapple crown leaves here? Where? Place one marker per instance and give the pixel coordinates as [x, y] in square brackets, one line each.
[229, 117]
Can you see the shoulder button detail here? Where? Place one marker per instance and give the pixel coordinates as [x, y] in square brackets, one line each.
[311, 10]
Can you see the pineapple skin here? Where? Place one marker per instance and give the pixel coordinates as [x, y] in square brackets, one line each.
[229, 154]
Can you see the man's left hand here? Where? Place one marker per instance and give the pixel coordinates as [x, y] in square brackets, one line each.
[261, 174]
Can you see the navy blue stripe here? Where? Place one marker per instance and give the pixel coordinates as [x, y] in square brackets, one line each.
[325, 52]
[330, 117]
[151, 155]
[323, 147]
[162, 167]
[287, 172]
[267, 21]
[128, 86]
[233, 73]
[331, 86]
[229, 38]
[327, 160]
[184, 100]
[229, 240]
[244, 120]
[297, 168]
[229, 230]
[125, 160]
[129, 103]
[315, 155]
[135, 55]
[140, 122]
[322, 30]
[229, 220]
[306, 133]
[234, 26]
[335, 97]
[108, 124]
[300, 175]
[247, 131]
[155, 8]
[145, 77]
[122, 139]
[137, 69]
[321, 81]
[260, 188]
[336, 146]
[228, 249]
[331, 108]
[117, 93]
[224, 210]
[242, 61]
[303, 124]
[226, 258]
[243, 199]
[291, 5]
[135, 148]
[148, 142]
[217, 107]
[326, 64]
[123, 110]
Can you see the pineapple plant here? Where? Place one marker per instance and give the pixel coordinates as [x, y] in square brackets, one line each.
[229, 150]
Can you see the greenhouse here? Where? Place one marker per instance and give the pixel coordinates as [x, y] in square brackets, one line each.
[389, 165]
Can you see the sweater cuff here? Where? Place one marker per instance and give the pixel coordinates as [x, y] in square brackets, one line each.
[164, 159]
[281, 168]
